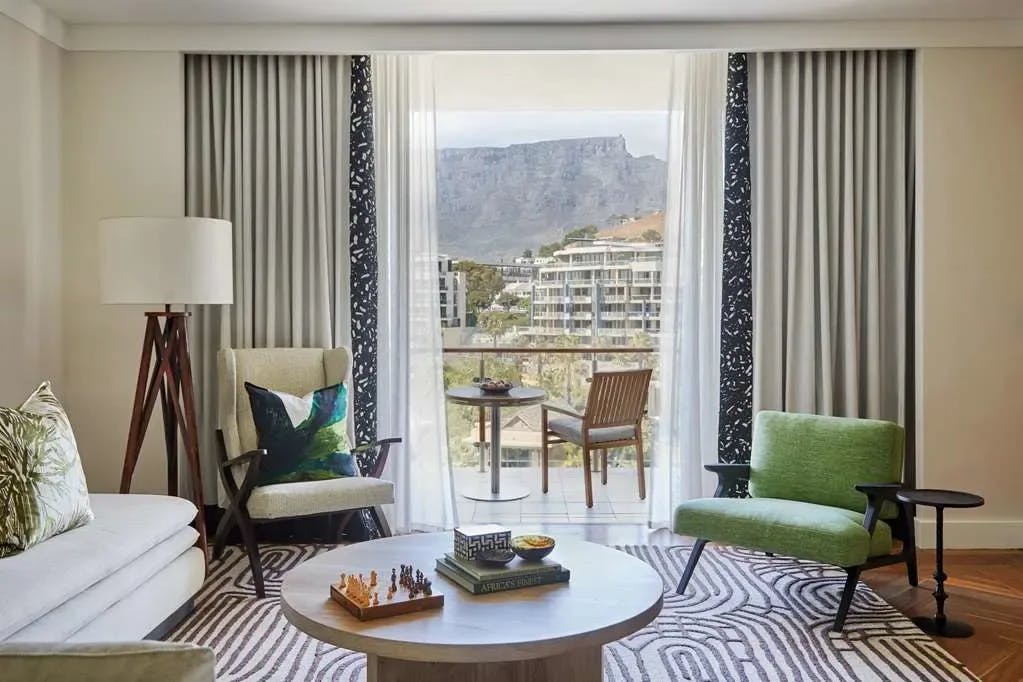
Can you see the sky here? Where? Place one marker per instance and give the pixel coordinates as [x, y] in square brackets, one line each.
[645, 132]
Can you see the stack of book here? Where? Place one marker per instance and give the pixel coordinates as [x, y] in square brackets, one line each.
[480, 579]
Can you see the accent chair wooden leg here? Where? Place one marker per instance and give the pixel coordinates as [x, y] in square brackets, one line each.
[252, 549]
[640, 470]
[603, 466]
[378, 515]
[587, 478]
[687, 574]
[223, 529]
[847, 594]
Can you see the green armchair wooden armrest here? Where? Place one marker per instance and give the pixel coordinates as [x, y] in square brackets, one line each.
[728, 476]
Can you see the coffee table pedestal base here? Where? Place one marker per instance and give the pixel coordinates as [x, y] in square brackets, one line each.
[580, 665]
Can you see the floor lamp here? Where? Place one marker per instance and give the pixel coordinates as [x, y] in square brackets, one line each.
[166, 261]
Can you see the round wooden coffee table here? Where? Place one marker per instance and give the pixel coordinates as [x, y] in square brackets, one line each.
[547, 633]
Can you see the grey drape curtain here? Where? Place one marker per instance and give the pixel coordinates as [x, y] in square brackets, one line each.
[831, 161]
[267, 148]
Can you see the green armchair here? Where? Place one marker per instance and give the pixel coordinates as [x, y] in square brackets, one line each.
[821, 489]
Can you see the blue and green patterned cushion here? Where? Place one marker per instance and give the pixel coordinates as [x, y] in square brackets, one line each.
[42, 485]
[305, 438]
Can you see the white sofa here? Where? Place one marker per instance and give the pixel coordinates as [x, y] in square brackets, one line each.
[131, 573]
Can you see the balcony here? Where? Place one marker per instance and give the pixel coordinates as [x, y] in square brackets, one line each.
[563, 371]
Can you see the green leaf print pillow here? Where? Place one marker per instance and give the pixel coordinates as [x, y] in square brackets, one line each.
[305, 438]
[42, 485]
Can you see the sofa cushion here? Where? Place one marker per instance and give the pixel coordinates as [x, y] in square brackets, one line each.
[318, 497]
[37, 580]
[126, 662]
[831, 535]
[68, 618]
[148, 607]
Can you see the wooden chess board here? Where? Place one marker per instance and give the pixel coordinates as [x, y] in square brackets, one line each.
[380, 597]
[398, 605]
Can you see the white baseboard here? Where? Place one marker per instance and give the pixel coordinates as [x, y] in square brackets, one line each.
[972, 534]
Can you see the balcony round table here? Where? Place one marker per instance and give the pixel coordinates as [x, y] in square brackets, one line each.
[520, 396]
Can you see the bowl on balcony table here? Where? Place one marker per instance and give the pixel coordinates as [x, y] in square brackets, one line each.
[494, 386]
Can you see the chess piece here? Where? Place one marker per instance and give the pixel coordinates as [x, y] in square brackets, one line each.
[372, 578]
[427, 588]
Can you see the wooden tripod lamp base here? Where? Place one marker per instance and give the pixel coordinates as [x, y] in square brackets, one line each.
[156, 261]
[165, 370]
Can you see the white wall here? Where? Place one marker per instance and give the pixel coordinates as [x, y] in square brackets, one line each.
[970, 295]
[123, 147]
[30, 272]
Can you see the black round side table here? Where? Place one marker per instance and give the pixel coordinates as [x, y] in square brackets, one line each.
[941, 500]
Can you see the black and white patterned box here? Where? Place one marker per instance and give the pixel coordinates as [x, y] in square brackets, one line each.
[471, 540]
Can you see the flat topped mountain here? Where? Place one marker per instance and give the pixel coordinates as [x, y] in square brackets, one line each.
[493, 202]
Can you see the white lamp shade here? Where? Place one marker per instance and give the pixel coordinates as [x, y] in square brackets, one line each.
[165, 260]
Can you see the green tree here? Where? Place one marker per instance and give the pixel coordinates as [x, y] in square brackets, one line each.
[547, 250]
[652, 236]
[528, 253]
[588, 232]
[509, 300]
[496, 322]
[482, 284]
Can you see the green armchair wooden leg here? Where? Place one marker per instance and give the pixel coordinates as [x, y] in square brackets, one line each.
[852, 577]
[687, 574]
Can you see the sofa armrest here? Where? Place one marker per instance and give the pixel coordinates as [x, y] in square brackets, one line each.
[728, 476]
[144, 661]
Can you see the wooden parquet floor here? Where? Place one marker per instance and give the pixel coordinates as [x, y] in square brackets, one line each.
[985, 589]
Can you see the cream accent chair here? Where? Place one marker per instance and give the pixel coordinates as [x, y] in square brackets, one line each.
[297, 371]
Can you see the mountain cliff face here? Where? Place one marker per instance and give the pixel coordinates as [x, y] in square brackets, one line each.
[493, 202]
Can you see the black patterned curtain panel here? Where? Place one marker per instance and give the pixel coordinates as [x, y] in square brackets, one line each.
[735, 416]
[363, 252]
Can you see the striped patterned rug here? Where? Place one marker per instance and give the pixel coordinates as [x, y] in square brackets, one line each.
[745, 617]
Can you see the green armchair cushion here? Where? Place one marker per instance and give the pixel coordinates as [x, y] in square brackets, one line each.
[800, 529]
[819, 459]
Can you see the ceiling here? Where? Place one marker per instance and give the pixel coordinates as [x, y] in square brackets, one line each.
[516, 11]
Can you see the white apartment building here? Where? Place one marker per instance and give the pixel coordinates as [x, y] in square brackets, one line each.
[603, 291]
[452, 293]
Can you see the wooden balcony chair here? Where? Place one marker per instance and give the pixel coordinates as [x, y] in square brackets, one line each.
[612, 419]
[297, 371]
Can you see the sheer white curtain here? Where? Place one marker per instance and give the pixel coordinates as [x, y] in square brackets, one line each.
[686, 432]
[410, 382]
